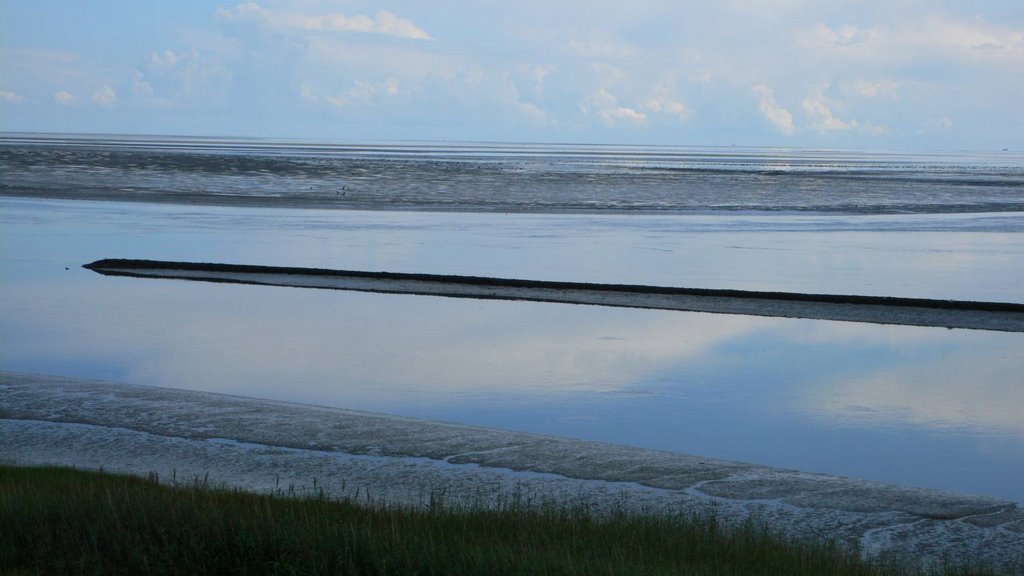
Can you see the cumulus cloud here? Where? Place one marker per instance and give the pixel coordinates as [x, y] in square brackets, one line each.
[362, 92]
[776, 115]
[140, 87]
[384, 22]
[165, 59]
[65, 98]
[821, 117]
[11, 96]
[588, 69]
[104, 96]
[533, 112]
[663, 103]
[818, 109]
[606, 106]
[173, 78]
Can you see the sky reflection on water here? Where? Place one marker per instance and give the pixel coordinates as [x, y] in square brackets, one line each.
[918, 406]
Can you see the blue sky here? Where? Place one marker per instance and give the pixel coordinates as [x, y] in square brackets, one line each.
[897, 74]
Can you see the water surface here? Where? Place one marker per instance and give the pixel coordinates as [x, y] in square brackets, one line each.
[916, 406]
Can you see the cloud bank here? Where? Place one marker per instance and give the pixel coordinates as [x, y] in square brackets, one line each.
[903, 74]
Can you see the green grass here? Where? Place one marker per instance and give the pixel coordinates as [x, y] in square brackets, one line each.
[61, 521]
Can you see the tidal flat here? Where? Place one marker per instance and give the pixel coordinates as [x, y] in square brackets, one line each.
[922, 407]
[381, 461]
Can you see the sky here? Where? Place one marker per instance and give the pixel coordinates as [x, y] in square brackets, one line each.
[896, 74]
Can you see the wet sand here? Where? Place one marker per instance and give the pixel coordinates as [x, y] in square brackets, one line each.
[275, 446]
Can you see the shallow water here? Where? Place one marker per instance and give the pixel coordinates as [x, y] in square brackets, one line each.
[534, 178]
[916, 406]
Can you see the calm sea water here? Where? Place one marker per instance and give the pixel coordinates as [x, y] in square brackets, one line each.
[509, 177]
[916, 406]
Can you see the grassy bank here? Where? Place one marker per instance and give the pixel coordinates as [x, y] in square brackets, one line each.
[60, 521]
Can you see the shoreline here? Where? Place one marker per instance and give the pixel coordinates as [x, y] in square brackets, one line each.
[326, 202]
[260, 444]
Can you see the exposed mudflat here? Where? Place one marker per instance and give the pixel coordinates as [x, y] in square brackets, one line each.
[274, 446]
[879, 310]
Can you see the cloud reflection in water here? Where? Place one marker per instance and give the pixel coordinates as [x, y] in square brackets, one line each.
[892, 403]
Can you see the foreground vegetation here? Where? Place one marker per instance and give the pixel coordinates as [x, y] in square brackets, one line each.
[61, 521]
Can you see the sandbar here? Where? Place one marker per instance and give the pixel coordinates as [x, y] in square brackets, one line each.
[999, 316]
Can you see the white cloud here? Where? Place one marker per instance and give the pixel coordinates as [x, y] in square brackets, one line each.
[542, 72]
[608, 73]
[104, 96]
[385, 22]
[895, 64]
[878, 89]
[821, 116]
[327, 60]
[973, 40]
[533, 112]
[606, 106]
[11, 96]
[388, 23]
[824, 35]
[65, 98]
[165, 59]
[874, 129]
[934, 37]
[362, 92]
[818, 109]
[141, 88]
[623, 115]
[174, 79]
[770, 109]
[663, 103]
